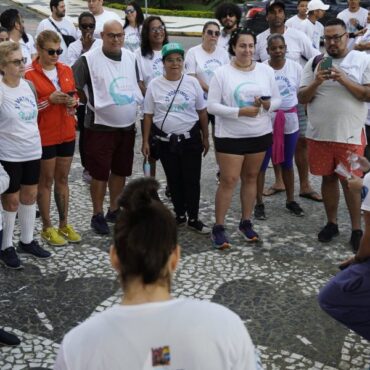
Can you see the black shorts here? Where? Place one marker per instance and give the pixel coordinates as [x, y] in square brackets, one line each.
[59, 150]
[21, 173]
[245, 145]
[211, 118]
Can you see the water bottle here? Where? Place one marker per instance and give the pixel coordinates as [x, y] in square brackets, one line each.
[146, 167]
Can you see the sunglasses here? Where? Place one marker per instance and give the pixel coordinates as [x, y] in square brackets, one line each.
[213, 33]
[130, 11]
[18, 62]
[86, 26]
[53, 51]
[230, 15]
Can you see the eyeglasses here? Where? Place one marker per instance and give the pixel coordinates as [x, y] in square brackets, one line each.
[53, 51]
[157, 29]
[174, 60]
[18, 62]
[116, 35]
[86, 26]
[213, 33]
[130, 11]
[335, 38]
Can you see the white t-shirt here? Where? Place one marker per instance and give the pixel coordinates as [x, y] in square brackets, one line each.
[231, 89]
[27, 48]
[294, 22]
[314, 31]
[335, 114]
[181, 334]
[149, 68]
[183, 113]
[366, 201]
[346, 16]
[288, 79]
[75, 50]
[52, 75]
[19, 133]
[66, 26]
[100, 19]
[132, 38]
[223, 40]
[203, 64]
[299, 46]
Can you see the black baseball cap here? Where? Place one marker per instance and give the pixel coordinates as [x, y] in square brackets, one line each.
[272, 3]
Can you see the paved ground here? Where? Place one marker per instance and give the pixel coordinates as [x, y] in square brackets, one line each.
[272, 285]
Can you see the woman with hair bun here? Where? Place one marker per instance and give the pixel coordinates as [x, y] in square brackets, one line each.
[150, 328]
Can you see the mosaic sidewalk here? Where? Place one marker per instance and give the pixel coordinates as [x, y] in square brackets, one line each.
[272, 285]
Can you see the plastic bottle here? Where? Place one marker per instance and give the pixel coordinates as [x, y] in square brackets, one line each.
[146, 167]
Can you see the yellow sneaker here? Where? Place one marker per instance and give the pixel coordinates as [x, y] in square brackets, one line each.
[69, 233]
[51, 236]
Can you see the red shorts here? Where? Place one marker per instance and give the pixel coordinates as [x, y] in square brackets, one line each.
[324, 156]
[109, 151]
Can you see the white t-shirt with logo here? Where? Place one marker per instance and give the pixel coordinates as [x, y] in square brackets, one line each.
[223, 40]
[66, 26]
[100, 19]
[294, 22]
[346, 16]
[231, 89]
[132, 38]
[314, 31]
[288, 79]
[75, 50]
[149, 68]
[181, 334]
[183, 113]
[19, 133]
[27, 48]
[52, 75]
[203, 64]
[299, 46]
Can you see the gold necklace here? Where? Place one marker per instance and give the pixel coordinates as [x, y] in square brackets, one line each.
[241, 67]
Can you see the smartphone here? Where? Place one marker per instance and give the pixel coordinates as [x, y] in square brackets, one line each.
[71, 93]
[265, 97]
[326, 63]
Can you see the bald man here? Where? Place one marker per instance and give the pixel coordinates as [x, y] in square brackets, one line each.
[109, 75]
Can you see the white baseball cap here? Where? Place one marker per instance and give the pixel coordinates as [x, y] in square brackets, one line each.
[317, 5]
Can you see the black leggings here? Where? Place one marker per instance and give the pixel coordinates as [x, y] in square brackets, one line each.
[183, 176]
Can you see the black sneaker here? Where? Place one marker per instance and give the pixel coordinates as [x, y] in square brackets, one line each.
[111, 216]
[259, 212]
[198, 226]
[294, 208]
[34, 249]
[99, 224]
[10, 258]
[328, 232]
[181, 220]
[8, 339]
[355, 240]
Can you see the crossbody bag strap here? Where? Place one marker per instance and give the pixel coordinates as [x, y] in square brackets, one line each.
[55, 26]
[174, 96]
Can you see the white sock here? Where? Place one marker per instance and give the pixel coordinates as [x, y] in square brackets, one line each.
[8, 229]
[26, 217]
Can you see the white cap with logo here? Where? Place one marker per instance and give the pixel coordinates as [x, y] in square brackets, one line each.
[317, 5]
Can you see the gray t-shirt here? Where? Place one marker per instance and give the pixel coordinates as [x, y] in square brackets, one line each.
[334, 114]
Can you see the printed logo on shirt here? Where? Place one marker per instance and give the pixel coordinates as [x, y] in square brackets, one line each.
[285, 86]
[364, 192]
[245, 92]
[210, 66]
[157, 67]
[161, 356]
[121, 91]
[132, 40]
[181, 102]
[26, 108]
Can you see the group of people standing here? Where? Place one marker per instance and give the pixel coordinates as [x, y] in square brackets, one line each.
[108, 75]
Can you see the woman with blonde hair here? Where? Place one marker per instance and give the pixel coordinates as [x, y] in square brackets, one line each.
[57, 101]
